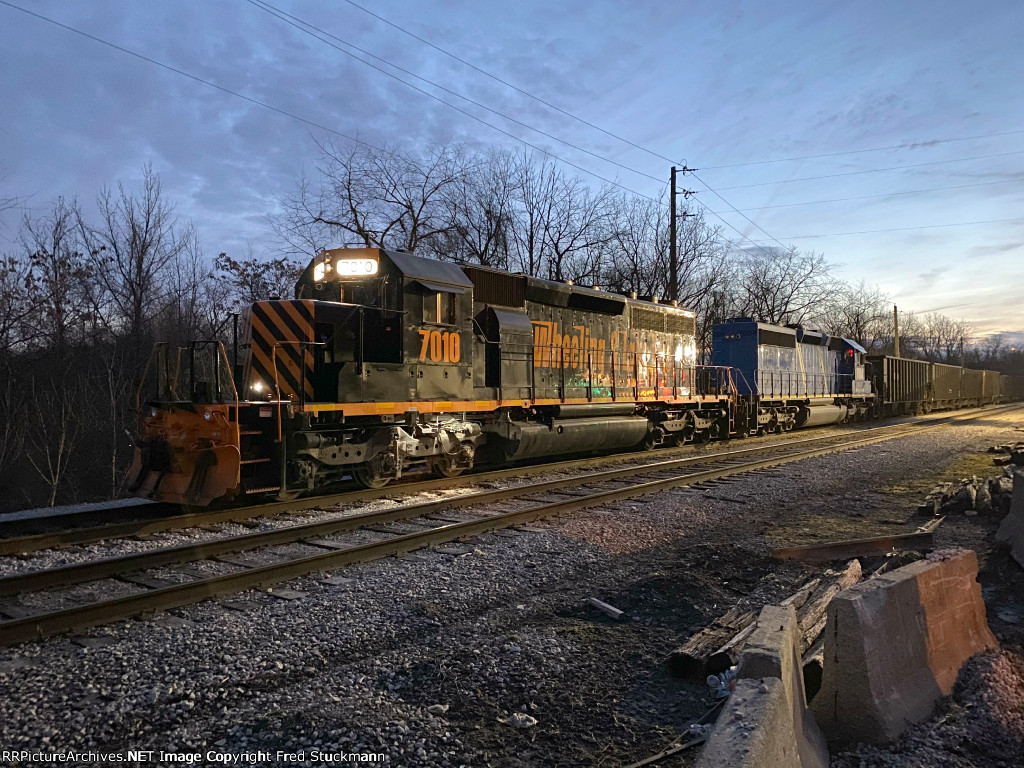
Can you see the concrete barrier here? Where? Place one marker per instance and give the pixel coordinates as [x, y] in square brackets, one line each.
[765, 723]
[1011, 530]
[894, 646]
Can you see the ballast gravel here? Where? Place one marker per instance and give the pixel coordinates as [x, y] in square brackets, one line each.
[486, 657]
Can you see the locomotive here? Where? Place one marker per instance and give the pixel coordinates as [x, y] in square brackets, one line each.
[385, 363]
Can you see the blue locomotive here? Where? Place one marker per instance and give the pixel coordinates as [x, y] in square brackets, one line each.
[792, 377]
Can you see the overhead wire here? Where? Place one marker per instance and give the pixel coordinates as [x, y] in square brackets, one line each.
[294, 116]
[876, 170]
[647, 150]
[885, 194]
[300, 24]
[907, 145]
[316, 32]
[904, 229]
[661, 156]
[315, 124]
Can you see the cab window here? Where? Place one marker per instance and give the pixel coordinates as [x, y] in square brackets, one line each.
[439, 307]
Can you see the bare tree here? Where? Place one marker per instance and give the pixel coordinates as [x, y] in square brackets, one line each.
[254, 279]
[783, 286]
[137, 238]
[17, 296]
[12, 434]
[376, 197]
[944, 339]
[862, 313]
[55, 425]
[60, 271]
[480, 206]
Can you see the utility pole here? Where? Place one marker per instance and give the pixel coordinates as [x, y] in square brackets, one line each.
[896, 330]
[673, 255]
[673, 277]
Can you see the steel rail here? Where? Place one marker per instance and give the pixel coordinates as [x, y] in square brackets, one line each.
[78, 573]
[93, 534]
[82, 617]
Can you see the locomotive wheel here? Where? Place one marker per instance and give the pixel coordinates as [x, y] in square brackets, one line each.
[369, 478]
[441, 468]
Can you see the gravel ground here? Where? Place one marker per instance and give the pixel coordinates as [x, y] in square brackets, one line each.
[490, 657]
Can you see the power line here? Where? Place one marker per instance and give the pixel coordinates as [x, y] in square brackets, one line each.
[183, 73]
[642, 148]
[306, 27]
[334, 131]
[514, 87]
[874, 170]
[656, 154]
[904, 229]
[908, 145]
[292, 115]
[884, 194]
[296, 22]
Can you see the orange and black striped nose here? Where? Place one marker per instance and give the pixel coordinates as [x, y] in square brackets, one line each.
[282, 332]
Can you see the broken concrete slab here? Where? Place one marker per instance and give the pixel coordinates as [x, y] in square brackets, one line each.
[1011, 530]
[895, 644]
[766, 721]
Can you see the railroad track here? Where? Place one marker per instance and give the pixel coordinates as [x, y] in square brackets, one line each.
[422, 525]
[158, 518]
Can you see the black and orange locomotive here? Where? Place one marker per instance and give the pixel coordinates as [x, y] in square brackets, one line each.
[386, 363]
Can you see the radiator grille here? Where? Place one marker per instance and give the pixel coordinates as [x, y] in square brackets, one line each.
[499, 288]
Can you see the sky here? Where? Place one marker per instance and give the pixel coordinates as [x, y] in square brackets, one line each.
[887, 135]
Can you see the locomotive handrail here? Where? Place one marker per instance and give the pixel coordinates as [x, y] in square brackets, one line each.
[596, 373]
[170, 379]
[775, 383]
[216, 370]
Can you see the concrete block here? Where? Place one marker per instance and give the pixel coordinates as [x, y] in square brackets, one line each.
[1011, 530]
[894, 646]
[768, 724]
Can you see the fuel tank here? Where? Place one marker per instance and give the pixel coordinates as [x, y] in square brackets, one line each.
[523, 440]
[819, 415]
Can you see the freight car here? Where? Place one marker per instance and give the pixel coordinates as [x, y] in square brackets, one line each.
[386, 362]
[1011, 388]
[917, 386]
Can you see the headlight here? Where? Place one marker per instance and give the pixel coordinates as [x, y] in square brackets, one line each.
[318, 272]
[257, 386]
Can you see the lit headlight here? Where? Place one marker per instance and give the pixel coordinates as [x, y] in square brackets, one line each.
[318, 272]
[354, 267]
[257, 386]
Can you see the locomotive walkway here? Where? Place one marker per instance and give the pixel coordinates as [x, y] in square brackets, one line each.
[423, 525]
